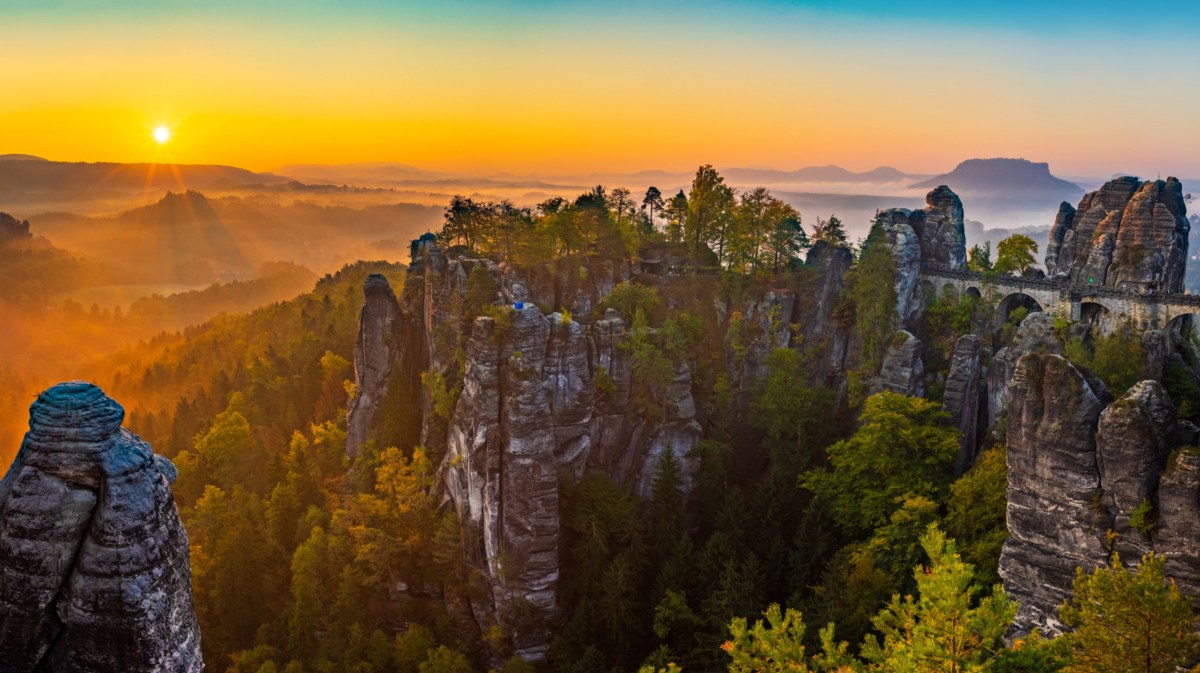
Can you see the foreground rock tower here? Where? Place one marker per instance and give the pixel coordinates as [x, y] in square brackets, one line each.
[94, 571]
[1084, 471]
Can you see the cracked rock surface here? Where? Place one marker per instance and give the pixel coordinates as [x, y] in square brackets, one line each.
[94, 569]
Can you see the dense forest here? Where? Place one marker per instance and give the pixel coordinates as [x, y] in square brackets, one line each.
[826, 529]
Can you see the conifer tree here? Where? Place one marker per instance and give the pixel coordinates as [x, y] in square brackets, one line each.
[1129, 621]
[943, 629]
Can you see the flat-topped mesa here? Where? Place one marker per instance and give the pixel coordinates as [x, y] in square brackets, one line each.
[94, 567]
[1129, 234]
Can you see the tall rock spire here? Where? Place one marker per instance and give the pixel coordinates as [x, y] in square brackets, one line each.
[94, 567]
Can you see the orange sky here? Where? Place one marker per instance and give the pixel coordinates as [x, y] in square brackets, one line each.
[488, 86]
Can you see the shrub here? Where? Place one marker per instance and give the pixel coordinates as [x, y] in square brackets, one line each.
[1143, 517]
[628, 298]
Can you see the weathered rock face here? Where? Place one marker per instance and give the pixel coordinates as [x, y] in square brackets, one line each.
[819, 326]
[906, 254]
[1129, 234]
[1035, 335]
[1179, 519]
[375, 354]
[543, 398]
[94, 569]
[962, 396]
[932, 236]
[940, 228]
[1076, 473]
[1056, 521]
[1132, 443]
[528, 417]
[902, 371]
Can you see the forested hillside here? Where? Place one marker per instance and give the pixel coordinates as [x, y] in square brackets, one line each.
[757, 497]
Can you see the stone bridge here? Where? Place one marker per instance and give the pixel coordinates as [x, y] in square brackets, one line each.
[1107, 307]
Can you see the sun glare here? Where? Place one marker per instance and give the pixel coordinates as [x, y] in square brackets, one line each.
[162, 134]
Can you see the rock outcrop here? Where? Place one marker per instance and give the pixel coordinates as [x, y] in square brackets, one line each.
[932, 236]
[1133, 440]
[1056, 520]
[1035, 334]
[1129, 234]
[375, 354]
[819, 325]
[1086, 479]
[903, 370]
[94, 568]
[532, 399]
[1178, 528]
[962, 396]
[906, 255]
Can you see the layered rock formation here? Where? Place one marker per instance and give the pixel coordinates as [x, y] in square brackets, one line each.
[1133, 439]
[962, 395]
[1055, 520]
[819, 326]
[1080, 471]
[1034, 335]
[932, 236]
[1178, 526]
[903, 371]
[540, 398]
[375, 353]
[1129, 234]
[94, 569]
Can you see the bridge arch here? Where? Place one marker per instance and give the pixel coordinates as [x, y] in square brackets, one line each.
[1013, 301]
[1182, 325]
[1096, 316]
[949, 293]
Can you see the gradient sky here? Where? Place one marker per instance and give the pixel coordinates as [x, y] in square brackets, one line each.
[1091, 87]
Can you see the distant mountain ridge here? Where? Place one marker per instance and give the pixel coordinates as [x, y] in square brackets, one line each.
[1004, 176]
[24, 174]
[829, 173]
[179, 238]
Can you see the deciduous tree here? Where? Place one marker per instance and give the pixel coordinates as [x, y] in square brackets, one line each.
[1015, 254]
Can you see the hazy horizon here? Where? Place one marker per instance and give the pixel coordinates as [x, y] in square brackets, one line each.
[487, 87]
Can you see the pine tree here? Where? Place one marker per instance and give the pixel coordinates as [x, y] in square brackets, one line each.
[943, 630]
[1129, 621]
[775, 645]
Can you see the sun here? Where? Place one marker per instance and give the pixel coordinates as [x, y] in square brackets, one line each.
[162, 134]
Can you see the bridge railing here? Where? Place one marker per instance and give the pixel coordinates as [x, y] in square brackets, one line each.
[944, 271]
[1082, 290]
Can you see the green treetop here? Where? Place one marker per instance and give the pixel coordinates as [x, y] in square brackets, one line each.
[904, 446]
[1129, 621]
[1015, 254]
